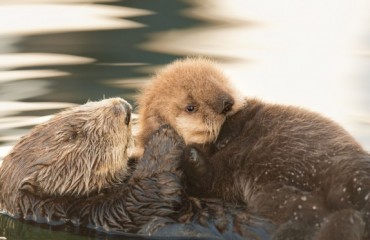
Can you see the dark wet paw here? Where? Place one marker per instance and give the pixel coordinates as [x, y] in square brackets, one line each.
[194, 162]
[162, 153]
[165, 137]
[194, 158]
[220, 145]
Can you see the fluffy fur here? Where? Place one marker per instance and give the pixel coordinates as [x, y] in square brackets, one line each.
[153, 201]
[193, 82]
[77, 153]
[74, 169]
[292, 166]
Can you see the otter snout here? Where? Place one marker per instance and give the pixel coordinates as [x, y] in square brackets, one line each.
[227, 105]
[125, 108]
[224, 104]
[128, 114]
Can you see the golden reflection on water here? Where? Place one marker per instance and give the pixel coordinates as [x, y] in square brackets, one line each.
[15, 75]
[15, 60]
[23, 18]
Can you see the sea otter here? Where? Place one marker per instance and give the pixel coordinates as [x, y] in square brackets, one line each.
[291, 165]
[299, 169]
[192, 95]
[75, 169]
[77, 153]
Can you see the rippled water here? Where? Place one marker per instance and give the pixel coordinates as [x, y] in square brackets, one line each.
[55, 54]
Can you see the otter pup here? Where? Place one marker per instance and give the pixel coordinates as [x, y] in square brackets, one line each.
[74, 169]
[293, 166]
[193, 96]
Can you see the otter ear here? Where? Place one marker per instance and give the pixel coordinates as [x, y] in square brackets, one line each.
[28, 185]
[30, 181]
[31, 185]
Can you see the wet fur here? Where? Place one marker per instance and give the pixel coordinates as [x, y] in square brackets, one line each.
[153, 201]
[195, 81]
[74, 169]
[293, 166]
[75, 154]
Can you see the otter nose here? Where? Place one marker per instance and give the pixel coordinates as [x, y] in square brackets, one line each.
[227, 105]
[122, 107]
[128, 113]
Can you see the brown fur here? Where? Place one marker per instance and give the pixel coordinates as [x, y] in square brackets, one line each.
[153, 201]
[195, 81]
[336, 226]
[288, 164]
[73, 169]
[77, 153]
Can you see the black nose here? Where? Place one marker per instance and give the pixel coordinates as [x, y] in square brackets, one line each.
[128, 113]
[122, 107]
[227, 105]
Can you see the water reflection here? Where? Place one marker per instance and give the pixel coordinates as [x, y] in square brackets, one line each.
[46, 58]
[19, 60]
[45, 17]
[54, 54]
[307, 53]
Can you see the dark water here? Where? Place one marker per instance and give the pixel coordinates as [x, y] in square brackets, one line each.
[15, 230]
[54, 54]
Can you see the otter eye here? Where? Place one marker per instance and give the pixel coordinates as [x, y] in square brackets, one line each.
[190, 108]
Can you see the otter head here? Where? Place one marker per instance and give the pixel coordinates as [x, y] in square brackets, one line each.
[77, 152]
[191, 95]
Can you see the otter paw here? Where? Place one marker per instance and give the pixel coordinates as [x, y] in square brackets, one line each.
[194, 157]
[194, 163]
[163, 136]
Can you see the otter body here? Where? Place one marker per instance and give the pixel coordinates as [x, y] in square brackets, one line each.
[75, 169]
[289, 165]
[293, 166]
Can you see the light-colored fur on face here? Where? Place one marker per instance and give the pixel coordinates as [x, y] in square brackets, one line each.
[196, 81]
[77, 152]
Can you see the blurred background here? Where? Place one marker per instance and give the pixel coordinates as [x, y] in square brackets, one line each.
[311, 53]
[58, 53]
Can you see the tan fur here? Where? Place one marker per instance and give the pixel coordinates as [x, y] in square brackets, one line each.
[195, 81]
[76, 153]
[72, 170]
